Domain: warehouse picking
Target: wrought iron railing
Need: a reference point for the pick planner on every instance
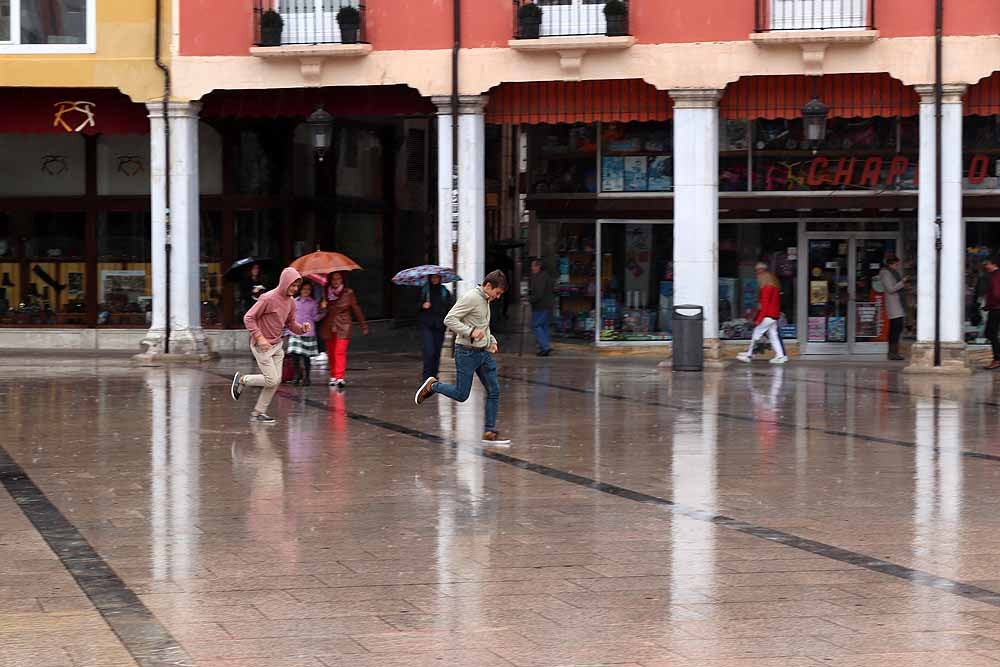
(285, 22)
(567, 18)
(774, 15)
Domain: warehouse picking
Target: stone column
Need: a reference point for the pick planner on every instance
(187, 339)
(471, 196)
(696, 208)
(953, 348)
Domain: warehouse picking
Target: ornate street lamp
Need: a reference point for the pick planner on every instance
(321, 128)
(814, 121)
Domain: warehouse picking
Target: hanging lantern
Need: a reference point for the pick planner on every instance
(814, 121)
(321, 128)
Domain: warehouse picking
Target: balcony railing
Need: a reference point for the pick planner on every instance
(569, 18)
(774, 15)
(308, 22)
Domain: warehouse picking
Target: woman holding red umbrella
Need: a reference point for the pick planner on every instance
(335, 329)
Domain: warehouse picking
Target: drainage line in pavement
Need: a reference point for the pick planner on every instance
(747, 418)
(870, 563)
(145, 638)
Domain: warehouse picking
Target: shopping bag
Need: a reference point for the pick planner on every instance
(287, 370)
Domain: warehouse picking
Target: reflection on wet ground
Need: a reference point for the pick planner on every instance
(782, 517)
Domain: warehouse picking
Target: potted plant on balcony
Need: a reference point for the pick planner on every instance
(271, 25)
(529, 21)
(616, 13)
(349, 20)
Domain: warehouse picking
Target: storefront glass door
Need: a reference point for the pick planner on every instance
(844, 302)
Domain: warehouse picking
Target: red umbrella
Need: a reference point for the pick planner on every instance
(322, 263)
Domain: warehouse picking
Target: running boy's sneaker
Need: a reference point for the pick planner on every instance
(425, 390)
(334, 381)
(341, 382)
(237, 388)
(493, 439)
(783, 359)
(262, 419)
(744, 357)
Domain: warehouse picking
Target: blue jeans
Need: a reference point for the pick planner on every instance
(540, 325)
(433, 339)
(469, 362)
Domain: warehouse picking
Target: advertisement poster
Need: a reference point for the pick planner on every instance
(635, 174)
(837, 329)
(613, 174)
(869, 317)
(128, 284)
(819, 293)
(661, 173)
(817, 329)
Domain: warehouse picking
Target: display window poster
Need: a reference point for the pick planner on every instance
(819, 293)
(660, 173)
(74, 282)
(635, 174)
(869, 317)
(837, 329)
(613, 174)
(129, 283)
(817, 329)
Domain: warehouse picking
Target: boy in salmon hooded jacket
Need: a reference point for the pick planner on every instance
(768, 315)
(266, 321)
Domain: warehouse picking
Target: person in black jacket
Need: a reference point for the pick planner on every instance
(541, 298)
(436, 302)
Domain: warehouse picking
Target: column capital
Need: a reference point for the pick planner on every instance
(175, 109)
(695, 98)
(951, 93)
(467, 104)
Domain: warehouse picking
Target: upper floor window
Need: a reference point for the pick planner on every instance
(817, 14)
(47, 26)
(572, 17)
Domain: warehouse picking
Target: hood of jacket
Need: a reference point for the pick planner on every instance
(288, 276)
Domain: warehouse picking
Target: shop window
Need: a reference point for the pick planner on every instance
(859, 154)
(211, 268)
(9, 270)
(637, 157)
(50, 282)
(209, 160)
(741, 246)
(359, 236)
(636, 281)
(42, 165)
(981, 152)
(124, 270)
(562, 159)
(568, 253)
(47, 26)
(258, 160)
(982, 240)
(123, 164)
(360, 167)
(257, 234)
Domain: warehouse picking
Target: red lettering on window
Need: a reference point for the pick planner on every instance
(870, 172)
(820, 165)
(845, 171)
(978, 168)
(897, 168)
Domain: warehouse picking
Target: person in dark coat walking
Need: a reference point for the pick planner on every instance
(435, 303)
(992, 305)
(541, 299)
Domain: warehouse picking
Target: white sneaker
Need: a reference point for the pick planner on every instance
(744, 357)
(334, 382)
(783, 359)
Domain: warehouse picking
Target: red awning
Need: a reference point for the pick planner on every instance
(300, 102)
(983, 98)
(847, 95)
(66, 110)
(614, 100)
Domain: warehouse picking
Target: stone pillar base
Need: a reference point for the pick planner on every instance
(954, 359)
(186, 346)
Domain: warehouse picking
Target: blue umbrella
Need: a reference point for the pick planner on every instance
(417, 276)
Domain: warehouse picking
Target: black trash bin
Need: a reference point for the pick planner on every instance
(689, 328)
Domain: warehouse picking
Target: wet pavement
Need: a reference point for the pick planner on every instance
(813, 514)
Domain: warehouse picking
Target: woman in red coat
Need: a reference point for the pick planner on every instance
(340, 303)
(767, 316)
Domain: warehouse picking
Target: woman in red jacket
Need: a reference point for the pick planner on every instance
(767, 316)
